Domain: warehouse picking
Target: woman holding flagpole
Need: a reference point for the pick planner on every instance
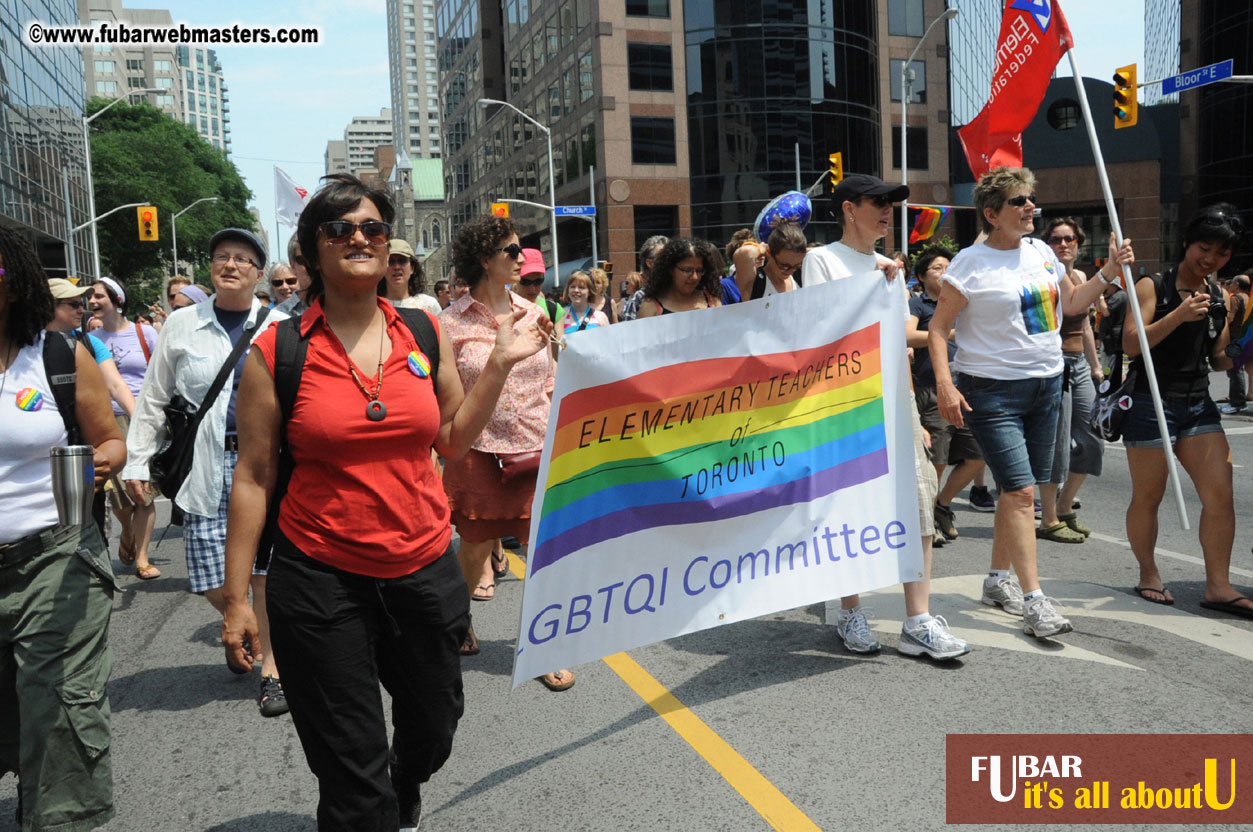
(1184, 315)
(1005, 297)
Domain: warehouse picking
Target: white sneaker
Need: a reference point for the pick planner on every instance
(1004, 592)
(1041, 619)
(933, 638)
(853, 629)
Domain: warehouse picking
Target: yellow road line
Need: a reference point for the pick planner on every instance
(761, 794)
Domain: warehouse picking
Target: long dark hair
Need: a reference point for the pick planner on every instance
(661, 276)
(417, 280)
(341, 194)
(31, 306)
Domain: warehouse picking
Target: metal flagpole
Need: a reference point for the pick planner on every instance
(1129, 286)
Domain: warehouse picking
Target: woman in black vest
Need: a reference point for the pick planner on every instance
(1185, 320)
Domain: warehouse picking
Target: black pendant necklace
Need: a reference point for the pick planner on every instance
(375, 410)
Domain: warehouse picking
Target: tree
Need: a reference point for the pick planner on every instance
(141, 154)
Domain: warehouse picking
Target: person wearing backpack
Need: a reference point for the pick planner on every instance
(345, 404)
(784, 252)
(200, 345)
(56, 581)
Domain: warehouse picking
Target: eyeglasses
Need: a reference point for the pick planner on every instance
(513, 250)
(786, 268)
(690, 270)
(532, 281)
(1062, 238)
(339, 232)
(289, 282)
(73, 304)
(240, 261)
(170, 298)
(1021, 200)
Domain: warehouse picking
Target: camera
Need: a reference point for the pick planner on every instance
(1217, 308)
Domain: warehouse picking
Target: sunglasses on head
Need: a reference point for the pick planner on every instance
(532, 281)
(1062, 238)
(339, 232)
(1212, 218)
(513, 250)
(1021, 200)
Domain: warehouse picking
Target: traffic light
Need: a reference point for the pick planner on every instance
(500, 209)
(837, 169)
(147, 216)
(1126, 108)
(608, 267)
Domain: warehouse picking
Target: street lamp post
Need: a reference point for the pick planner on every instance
(552, 184)
(174, 228)
(91, 184)
(907, 77)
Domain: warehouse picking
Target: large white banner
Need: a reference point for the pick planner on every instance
(714, 466)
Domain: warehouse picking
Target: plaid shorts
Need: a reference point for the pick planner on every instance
(204, 538)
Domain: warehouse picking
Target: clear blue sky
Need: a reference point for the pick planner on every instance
(287, 102)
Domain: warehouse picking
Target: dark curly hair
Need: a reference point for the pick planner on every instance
(477, 241)
(30, 300)
(662, 275)
(341, 194)
(417, 279)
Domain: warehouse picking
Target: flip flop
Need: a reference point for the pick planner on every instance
(486, 588)
(500, 566)
(549, 680)
(1230, 607)
(126, 555)
(1143, 591)
(147, 573)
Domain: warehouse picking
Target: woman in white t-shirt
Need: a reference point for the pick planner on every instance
(1006, 297)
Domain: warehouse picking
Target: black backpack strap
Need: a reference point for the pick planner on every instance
(290, 349)
(62, 371)
(419, 323)
(759, 286)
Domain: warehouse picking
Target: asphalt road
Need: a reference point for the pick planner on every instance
(806, 735)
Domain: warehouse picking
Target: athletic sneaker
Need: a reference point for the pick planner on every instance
(1004, 592)
(938, 539)
(1041, 619)
(1230, 410)
(944, 521)
(853, 629)
(408, 795)
(933, 638)
(981, 498)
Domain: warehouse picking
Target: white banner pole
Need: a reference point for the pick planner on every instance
(1129, 286)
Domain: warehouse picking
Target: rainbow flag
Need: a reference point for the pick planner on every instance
(929, 219)
(707, 440)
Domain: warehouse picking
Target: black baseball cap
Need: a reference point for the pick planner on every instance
(242, 235)
(863, 184)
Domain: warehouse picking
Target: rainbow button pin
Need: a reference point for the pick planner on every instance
(419, 364)
(29, 399)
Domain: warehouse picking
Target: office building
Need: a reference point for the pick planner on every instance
(41, 141)
(335, 159)
(411, 54)
(1161, 48)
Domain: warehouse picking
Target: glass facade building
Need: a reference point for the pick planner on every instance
(1161, 48)
(41, 135)
(762, 77)
(972, 56)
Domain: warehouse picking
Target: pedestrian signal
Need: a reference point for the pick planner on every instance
(500, 209)
(1126, 108)
(147, 217)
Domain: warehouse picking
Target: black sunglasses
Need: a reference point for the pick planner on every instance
(1062, 238)
(532, 281)
(1223, 218)
(881, 200)
(513, 250)
(1019, 201)
(291, 281)
(73, 304)
(339, 232)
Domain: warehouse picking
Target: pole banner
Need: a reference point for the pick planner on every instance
(713, 466)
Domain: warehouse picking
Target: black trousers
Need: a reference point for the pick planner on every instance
(336, 636)
(1235, 387)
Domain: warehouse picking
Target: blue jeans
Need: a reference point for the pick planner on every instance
(1184, 417)
(1015, 424)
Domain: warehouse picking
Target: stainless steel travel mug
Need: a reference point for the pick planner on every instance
(73, 483)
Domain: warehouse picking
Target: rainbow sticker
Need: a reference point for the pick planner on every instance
(419, 364)
(29, 399)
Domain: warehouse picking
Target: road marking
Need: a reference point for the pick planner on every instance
(761, 794)
(1235, 570)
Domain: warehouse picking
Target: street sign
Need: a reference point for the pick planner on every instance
(1197, 77)
(576, 210)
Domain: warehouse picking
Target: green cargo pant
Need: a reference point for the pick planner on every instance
(54, 666)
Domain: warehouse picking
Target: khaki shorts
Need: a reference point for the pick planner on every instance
(118, 498)
(928, 485)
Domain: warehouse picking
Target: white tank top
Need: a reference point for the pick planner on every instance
(30, 425)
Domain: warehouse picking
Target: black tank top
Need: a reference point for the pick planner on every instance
(1181, 359)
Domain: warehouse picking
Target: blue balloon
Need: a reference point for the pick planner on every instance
(792, 206)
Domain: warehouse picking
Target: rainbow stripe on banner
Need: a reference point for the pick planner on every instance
(708, 440)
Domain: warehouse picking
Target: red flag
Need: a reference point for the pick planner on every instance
(1034, 36)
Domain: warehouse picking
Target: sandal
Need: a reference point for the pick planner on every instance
(1072, 521)
(481, 592)
(1059, 533)
(500, 565)
(272, 701)
(126, 554)
(147, 572)
(553, 681)
(1165, 600)
(470, 646)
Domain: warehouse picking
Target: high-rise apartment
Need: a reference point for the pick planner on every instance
(41, 141)
(206, 99)
(355, 152)
(411, 53)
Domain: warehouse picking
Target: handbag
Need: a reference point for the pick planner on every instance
(1113, 400)
(515, 467)
(170, 466)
